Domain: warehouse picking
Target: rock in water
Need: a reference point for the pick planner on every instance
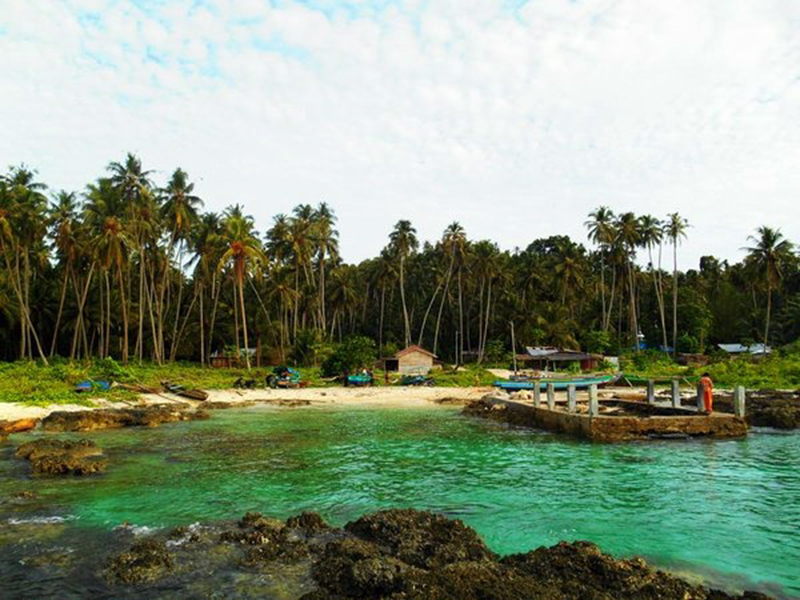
(63, 457)
(112, 418)
(421, 538)
(147, 560)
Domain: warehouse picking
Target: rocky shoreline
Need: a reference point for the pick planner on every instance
(399, 553)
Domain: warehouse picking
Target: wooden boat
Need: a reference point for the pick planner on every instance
(184, 392)
(559, 384)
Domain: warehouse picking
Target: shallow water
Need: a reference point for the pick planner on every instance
(726, 511)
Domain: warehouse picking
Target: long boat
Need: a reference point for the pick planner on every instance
(559, 384)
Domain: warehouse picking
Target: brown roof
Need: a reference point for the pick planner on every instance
(414, 348)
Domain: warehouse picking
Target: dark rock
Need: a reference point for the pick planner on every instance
(308, 522)
(581, 570)
(421, 538)
(112, 418)
(219, 405)
(63, 457)
(355, 568)
(767, 408)
(147, 560)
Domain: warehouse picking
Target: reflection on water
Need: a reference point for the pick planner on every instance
(726, 510)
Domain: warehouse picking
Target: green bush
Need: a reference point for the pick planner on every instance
(354, 353)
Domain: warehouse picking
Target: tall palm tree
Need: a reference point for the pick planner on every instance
(244, 249)
(675, 230)
(179, 212)
(652, 232)
(104, 213)
(63, 217)
(22, 231)
(602, 233)
(769, 254)
(454, 243)
(629, 237)
(327, 245)
(402, 243)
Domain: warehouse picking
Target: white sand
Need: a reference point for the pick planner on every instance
(377, 396)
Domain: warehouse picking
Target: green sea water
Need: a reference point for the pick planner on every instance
(727, 511)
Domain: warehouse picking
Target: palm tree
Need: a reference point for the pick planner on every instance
(652, 232)
(63, 218)
(110, 242)
(675, 229)
(629, 237)
(22, 231)
(244, 249)
(770, 253)
(327, 245)
(179, 213)
(454, 243)
(602, 232)
(402, 243)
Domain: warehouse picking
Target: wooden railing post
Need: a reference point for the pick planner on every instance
(551, 396)
(537, 393)
(701, 405)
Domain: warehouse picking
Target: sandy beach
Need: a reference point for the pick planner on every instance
(320, 397)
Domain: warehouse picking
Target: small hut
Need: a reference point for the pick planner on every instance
(412, 360)
(545, 358)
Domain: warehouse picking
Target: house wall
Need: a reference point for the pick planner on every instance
(415, 362)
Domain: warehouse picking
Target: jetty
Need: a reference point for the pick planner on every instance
(614, 419)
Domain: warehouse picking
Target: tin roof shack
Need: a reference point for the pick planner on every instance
(413, 360)
(547, 358)
(742, 350)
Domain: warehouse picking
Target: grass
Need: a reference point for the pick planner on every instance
(778, 371)
(34, 384)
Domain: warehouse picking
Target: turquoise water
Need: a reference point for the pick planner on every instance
(726, 511)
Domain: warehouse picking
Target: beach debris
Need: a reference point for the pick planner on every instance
(113, 418)
(63, 457)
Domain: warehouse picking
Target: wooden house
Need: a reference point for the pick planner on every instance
(412, 360)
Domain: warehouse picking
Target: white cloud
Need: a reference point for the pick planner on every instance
(516, 123)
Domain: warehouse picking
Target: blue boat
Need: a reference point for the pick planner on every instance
(559, 384)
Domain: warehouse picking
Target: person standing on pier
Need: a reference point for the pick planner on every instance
(708, 392)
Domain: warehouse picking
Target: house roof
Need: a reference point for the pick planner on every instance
(552, 353)
(414, 348)
(742, 349)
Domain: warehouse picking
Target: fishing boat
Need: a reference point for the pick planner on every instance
(559, 384)
(184, 392)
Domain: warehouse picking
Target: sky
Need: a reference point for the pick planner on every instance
(515, 118)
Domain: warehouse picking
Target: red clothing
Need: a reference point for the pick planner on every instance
(708, 393)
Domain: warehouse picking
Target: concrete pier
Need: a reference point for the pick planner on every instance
(612, 420)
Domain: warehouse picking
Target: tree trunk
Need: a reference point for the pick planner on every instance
(769, 311)
(123, 303)
(60, 310)
(674, 298)
(403, 300)
(244, 322)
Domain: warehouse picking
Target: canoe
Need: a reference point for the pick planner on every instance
(180, 390)
(559, 384)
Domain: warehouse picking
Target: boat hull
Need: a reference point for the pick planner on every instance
(562, 384)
